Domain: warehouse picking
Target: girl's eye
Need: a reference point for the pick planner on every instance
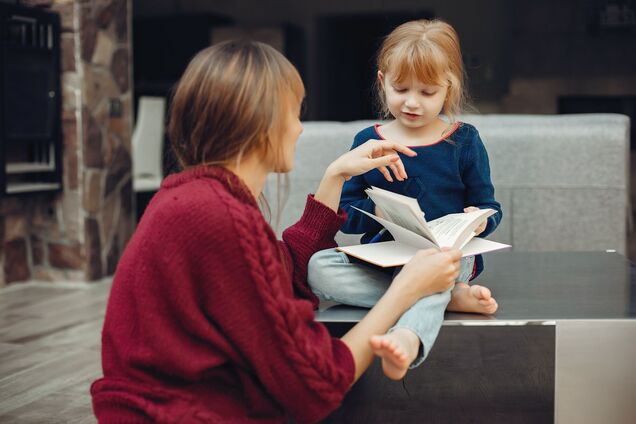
(399, 90)
(429, 93)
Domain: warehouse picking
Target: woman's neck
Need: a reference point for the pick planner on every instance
(252, 172)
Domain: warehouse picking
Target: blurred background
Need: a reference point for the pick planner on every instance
(87, 88)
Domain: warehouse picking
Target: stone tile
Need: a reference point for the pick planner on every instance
(66, 9)
(65, 256)
(112, 144)
(69, 131)
(127, 198)
(113, 257)
(37, 250)
(15, 226)
(121, 19)
(92, 193)
(99, 86)
(122, 126)
(120, 167)
(9, 205)
(69, 212)
(71, 83)
(67, 51)
(104, 49)
(16, 261)
(93, 157)
(42, 219)
(2, 236)
(88, 31)
(105, 13)
(70, 170)
(101, 112)
(121, 69)
(93, 248)
(110, 218)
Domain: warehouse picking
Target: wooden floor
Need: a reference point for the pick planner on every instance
(50, 354)
(50, 351)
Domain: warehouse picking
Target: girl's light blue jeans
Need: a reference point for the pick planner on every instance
(332, 276)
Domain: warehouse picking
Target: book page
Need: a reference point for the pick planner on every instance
(384, 254)
(401, 210)
(401, 234)
(478, 246)
(394, 253)
(455, 230)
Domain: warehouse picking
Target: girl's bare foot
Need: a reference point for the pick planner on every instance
(473, 299)
(397, 349)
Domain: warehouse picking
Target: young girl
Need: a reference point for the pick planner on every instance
(420, 77)
(210, 318)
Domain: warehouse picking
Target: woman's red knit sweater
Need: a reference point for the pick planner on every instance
(210, 318)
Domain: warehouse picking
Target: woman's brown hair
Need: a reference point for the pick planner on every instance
(429, 51)
(230, 101)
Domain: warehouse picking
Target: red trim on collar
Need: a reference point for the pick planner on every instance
(457, 125)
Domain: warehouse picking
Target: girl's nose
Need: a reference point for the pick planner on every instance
(412, 102)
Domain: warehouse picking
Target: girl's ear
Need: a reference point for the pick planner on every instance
(381, 78)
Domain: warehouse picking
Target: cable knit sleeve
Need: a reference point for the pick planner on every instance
(248, 296)
(313, 232)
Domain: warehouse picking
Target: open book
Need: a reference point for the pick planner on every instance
(405, 221)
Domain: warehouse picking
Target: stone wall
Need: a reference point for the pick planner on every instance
(80, 233)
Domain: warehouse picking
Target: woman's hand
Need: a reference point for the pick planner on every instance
(429, 271)
(380, 154)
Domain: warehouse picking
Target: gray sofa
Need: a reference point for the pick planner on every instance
(562, 180)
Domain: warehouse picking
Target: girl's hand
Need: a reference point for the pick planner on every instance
(380, 154)
(482, 226)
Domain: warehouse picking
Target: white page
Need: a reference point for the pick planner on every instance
(456, 229)
(393, 253)
(478, 245)
(401, 210)
(409, 202)
(400, 234)
(384, 254)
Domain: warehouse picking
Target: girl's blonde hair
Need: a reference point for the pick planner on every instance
(230, 101)
(429, 51)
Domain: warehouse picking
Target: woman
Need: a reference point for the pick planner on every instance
(210, 318)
